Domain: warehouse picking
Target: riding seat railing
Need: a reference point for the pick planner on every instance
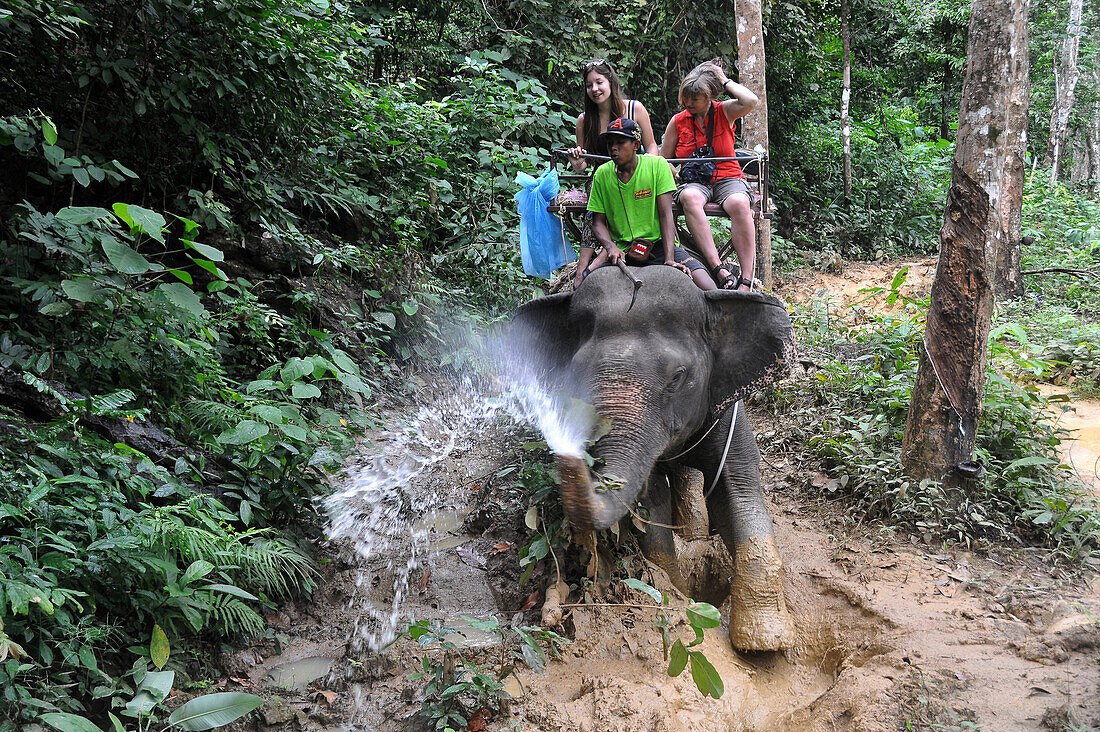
(572, 202)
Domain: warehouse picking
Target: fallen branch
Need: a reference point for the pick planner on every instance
(1075, 271)
(147, 439)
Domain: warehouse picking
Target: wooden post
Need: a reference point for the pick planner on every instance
(947, 396)
(754, 125)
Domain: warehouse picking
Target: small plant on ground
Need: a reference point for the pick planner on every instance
(700, 616)
(463, 694)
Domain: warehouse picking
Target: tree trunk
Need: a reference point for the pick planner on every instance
(943, 416)
(1008, 282)
(1065, 85)
(845, 96)
(754, 125)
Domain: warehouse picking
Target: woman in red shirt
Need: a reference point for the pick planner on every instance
(705, 119)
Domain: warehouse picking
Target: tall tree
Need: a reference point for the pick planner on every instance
(943, 416)
(754, 125)
(1066, 74)
(845, 97)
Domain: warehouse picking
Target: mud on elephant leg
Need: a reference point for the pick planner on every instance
(759, 618)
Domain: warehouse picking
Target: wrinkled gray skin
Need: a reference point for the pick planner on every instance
(664, 371)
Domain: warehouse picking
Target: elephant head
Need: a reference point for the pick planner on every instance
(662, 371)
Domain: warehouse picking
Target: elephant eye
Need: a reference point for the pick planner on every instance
(677, 379)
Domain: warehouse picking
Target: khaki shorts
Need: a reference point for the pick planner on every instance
(722, 189)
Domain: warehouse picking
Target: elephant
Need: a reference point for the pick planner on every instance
(670, 370)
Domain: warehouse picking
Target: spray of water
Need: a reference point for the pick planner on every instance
(380, 512)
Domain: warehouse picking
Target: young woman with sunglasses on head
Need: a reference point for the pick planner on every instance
(603, 102)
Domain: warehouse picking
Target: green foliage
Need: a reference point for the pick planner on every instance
(852, 414)
(455, 687)
(104, 547)
(700, 616)
(152, 688)
(900, 176)
(1062, 229)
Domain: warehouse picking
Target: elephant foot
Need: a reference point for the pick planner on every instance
(759, 619)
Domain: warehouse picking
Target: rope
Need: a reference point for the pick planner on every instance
(943, 387)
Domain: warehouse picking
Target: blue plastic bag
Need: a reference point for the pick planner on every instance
(542, 243)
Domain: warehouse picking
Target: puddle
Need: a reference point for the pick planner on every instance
(1082, 453)
(469, 637)
(297, 675)
(445, 527)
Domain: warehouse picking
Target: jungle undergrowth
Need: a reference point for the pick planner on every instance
(849, 412)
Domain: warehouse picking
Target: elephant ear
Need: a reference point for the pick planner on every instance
(539, 340)
(752, 340)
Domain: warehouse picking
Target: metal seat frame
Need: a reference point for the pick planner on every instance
(754, 166)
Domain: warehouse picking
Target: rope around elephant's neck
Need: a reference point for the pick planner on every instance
(704, 436)
(722, 462)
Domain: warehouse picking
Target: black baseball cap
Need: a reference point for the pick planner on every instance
(623, 127)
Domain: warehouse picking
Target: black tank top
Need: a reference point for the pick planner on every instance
(600, 148)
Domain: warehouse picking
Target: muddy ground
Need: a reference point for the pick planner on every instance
(894, 633)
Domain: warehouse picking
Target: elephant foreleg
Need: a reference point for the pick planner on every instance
(759, 619)
(657, 542)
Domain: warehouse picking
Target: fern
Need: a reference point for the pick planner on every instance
(231, 615)
(211, 416)
(108, 405)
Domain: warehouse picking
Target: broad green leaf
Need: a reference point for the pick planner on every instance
(213, 710)
(211, 268)
(245, 432)
(189, 226)
(116, 722)
(344, 362)
(410, 307)
(153, 689)
(637, 584)
(69, 722)
(182, 297)
(1030, 460)
(704, 615)
(183, 276)
(294, 431)
(53, 154)
(212, 253)
(268, 413)
(159, 648)
(81, 215)
(899, 278)
(354, 383)
(295, 369)
(150, 222)
(49, 131)
(705, 675)
(83, 290)
(678, 658)
(304, 391)
(56, 308)
(386, 318)
(198, 569)
(232, 590)
(125, 259)
(81, 176)
(123, 169)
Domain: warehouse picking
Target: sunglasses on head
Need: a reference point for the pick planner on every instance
(598, 62)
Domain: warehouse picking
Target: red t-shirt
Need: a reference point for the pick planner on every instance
(723, 142)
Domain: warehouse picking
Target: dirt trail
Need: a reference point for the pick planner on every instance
(892, 635)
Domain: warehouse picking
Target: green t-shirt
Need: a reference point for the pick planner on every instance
(651, 178)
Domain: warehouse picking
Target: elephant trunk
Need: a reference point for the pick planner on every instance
(629, 452)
